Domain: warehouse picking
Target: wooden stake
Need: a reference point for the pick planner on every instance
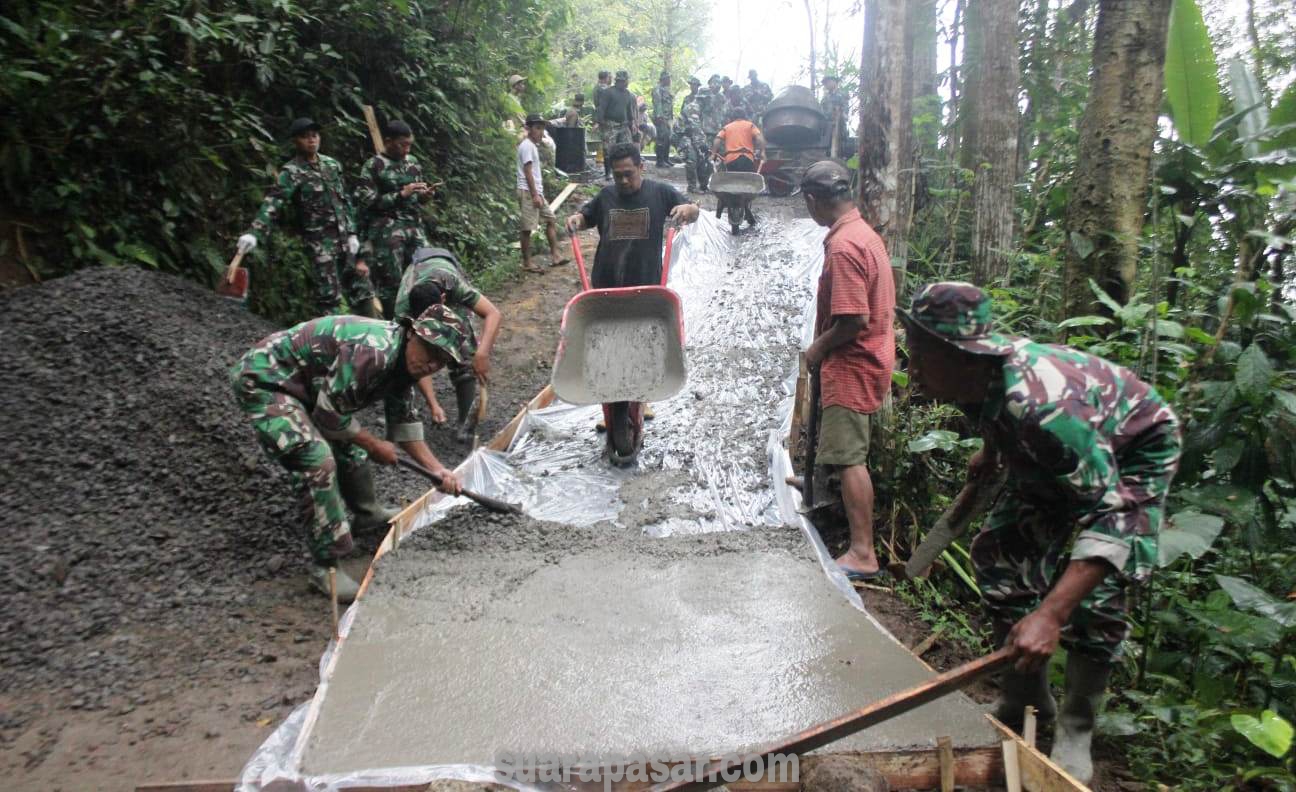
(333, 599)
(1012, 771)
(1028, 726)
(375, 133)
(945, 749)
(562, 196)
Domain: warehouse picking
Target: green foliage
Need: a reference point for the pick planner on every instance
(145, 133)
(1190, 82)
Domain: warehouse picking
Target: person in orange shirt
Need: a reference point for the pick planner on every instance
(741, 147)
(740, 144)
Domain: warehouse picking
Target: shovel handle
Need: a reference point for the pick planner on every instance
(234, 265)
(484, 500)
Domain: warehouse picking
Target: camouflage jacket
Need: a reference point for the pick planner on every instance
(1068, 426)
(663, 103)
(690, 115)
(378, 197)
(757, 95)
(713, 111)
(314, 195)
(442, 269)
(337, 366)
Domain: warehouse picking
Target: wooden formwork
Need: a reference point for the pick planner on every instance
(942, 766)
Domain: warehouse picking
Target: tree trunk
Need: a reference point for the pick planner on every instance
(814, 82)
(886, 102)
(926, 95)
(1104, 215)
(951, 128)
(993, 127)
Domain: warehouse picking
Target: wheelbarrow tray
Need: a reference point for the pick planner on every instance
(739, 184)
(618, 345)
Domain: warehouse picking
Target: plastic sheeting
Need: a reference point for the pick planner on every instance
(714, 455)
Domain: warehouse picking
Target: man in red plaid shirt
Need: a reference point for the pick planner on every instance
(854, 350)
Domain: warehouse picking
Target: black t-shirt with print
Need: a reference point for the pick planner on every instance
(630, 233)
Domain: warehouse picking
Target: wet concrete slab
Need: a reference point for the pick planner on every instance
(526, 637)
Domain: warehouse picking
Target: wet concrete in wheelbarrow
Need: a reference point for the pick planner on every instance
(488, 635)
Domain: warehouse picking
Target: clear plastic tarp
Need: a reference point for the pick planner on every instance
(714, 458)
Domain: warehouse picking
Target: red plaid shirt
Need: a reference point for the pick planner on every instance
(857, 281)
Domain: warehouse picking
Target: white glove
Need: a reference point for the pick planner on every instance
(246, 243)
(353, 244)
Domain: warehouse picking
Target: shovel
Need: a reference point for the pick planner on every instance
(484, 500)
(812, 445)
(234, 284)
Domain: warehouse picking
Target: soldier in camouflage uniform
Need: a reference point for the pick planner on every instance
(690, 140)
(390, 196)
(439, 269)
(663, 110)
(300, 388)
(1090, 451)
(758, 95)
(713, 104)
(835, 105)
(309, 194)
(616, 115)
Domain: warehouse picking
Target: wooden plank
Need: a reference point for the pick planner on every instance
(1028, 726)
(504, 438)
(371, 120)
(798, 406)
(1038, 772)
(562, 196)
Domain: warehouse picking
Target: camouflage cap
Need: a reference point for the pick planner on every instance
(694, 81)
(440, 328)
(622, 74)
(957, 313)
(713, 78)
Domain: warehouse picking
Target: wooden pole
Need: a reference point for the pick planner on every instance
(945, 748)
(333, 599)
(371, 119)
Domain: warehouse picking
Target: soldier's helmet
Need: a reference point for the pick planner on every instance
(959, 314)
(694, 81)
(440, 328)
(622, 74)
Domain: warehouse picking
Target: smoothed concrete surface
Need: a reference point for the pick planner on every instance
(486, 635)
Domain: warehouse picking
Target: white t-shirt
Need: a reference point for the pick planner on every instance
(529, 156)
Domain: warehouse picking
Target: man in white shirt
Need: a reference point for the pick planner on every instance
(531, 200)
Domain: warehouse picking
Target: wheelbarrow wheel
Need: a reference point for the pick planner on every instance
(622, 445)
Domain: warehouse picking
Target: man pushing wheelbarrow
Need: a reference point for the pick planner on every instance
(629, 319)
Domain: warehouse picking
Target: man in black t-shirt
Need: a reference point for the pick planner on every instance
(630, 214)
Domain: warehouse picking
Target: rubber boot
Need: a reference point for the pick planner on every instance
(357, 486)
(1086, 682)
(465, 396)
(1017, 691)
(347, 587)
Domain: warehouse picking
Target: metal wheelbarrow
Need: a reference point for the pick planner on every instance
(734, 190)
(621, 347)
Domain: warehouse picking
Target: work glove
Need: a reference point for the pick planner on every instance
(353, 244)
(246, 243)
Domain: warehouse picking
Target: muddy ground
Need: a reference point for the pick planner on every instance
(158, 623)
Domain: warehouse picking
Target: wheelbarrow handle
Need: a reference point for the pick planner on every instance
(580, 263)
(666, 254)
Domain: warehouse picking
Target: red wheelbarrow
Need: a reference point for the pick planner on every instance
(620, 348)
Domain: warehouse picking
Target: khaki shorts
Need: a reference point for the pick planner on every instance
(844, 434)
(529, 220)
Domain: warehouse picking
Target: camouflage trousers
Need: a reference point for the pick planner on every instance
(697, 165)
(613, 134)
(1024, 547)
(284, 429)
(334, 274)
(393, 249)
(662, 142)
